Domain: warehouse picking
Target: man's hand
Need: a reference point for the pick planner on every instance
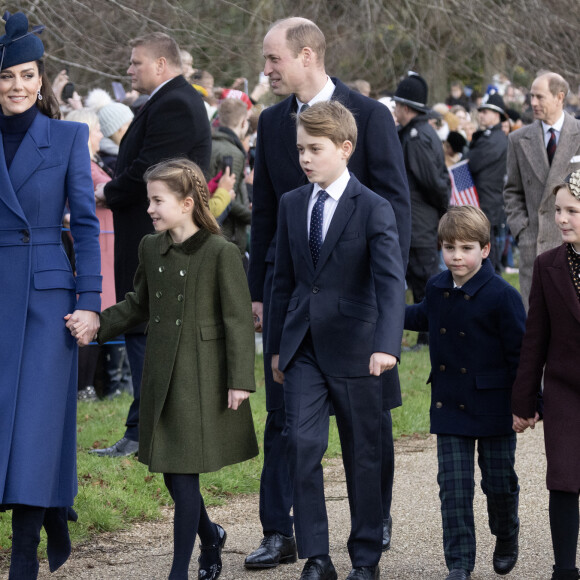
(257, 313)
(381, 362)
(277, 374)
(520, 424)
(236, 397)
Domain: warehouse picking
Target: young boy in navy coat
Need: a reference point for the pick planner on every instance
(476, 322)
(336, 321)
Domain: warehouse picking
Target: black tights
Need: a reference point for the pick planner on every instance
(189, 520)
(564, 522)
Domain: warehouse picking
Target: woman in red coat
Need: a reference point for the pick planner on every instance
(551, 348)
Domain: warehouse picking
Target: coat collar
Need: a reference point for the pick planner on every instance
(472, 286)
(559, 273)
(190, 246)
(28, 158)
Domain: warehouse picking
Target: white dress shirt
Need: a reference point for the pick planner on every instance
(324, 95)
(557, 126)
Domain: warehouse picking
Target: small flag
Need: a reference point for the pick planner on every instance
(463, 190)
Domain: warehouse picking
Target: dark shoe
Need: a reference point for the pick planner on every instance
(212, 553)
(316, 569)
(505, 555)
(364, 573)
(274, 549)
(458, 574)
(387, 530)
(58, 546)
(122, 448)
(565, 574)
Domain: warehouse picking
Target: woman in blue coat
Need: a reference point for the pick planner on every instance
(44, 166)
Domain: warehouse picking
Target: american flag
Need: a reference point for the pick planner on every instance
(463, 190)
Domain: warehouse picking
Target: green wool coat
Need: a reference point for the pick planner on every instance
(200, 343)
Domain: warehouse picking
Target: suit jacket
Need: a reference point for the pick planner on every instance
(475, 335)
(172, 123)
(353, 301)
(550, 351)
(38, 356)
(377, 162)
(529, 202)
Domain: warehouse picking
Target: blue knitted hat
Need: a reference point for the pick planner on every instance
(19, 45)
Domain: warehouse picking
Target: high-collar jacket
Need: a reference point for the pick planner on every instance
(475, 335)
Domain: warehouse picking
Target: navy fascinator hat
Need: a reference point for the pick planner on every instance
(19, 45)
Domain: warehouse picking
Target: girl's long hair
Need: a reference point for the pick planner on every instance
(185, 179)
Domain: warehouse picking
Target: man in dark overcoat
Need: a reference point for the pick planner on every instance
(172, 123)
(294, 52)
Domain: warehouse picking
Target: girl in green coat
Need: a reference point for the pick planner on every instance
(199, 364)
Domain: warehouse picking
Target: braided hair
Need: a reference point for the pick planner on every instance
(185, 179)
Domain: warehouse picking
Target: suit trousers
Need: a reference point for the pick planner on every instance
(308, 394)
(499, 483)
(135, 345)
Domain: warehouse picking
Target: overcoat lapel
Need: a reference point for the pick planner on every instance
(534, 150)
(568, 145)
(288, 133)
(30, 154)
(560, 276)
(340, 218)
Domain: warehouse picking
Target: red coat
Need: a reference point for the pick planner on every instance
(553, 339)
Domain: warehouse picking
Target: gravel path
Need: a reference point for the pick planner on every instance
(144, 551)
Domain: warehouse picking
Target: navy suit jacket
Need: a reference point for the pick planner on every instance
(377, 162)
(353, 301)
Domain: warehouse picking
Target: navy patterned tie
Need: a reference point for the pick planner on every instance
(315, 240)
(551, 149)
(303, 108)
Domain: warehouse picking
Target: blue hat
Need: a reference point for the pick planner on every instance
(18, 45)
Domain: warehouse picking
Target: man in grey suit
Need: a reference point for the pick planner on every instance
(539, 157)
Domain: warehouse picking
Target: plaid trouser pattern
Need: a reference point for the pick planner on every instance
(496, 458)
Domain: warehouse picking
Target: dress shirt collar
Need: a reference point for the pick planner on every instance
(159, 87)
(324, 95)
(557, 126)
(336, 188)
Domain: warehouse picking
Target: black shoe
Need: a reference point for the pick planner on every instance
(458, 574)
(122, 448)
(316, 569)
(387, 532)
(274, 549)
(364, 573)
(565, 574)
(214, 554)
(505, 555)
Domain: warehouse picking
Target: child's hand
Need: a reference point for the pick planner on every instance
(520, 424)
(227, 180)
(381, 362)
(83, 325)
(276, 372)
(236, 397)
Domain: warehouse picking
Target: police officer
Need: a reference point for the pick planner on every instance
(487, 161)
(429, 183)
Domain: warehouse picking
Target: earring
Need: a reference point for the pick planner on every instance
(38, 95)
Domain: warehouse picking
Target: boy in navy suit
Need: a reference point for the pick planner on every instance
(476, 322)
(336, 323)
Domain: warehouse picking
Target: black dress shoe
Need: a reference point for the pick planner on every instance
(505, 555)
(213, 554)
(122, 448)
(364, 573)
(316, 569)
(274, 549)
(387, 529)
(458, 574)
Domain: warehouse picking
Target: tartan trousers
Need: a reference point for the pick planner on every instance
(456, 478)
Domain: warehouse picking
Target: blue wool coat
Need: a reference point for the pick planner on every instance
(38, 356)
(475, 336)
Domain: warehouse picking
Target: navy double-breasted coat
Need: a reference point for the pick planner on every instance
(38, 356)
